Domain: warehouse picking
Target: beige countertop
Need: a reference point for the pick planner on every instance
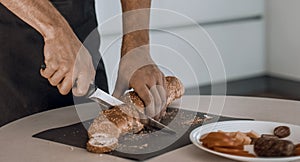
(17, 145)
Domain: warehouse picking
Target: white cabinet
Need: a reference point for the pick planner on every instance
(203, 11)
(241, 47)
(200, 11)
(190, 57)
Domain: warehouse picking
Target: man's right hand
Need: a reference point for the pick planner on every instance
(67, 61)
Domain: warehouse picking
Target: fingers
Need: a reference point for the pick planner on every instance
(163, 95)
(57, 77)
(66, 85)
(53, 72)
(144, 93)
(154, 99)
(64, 80)
(48, 71)
(148, 82)
(157, 102)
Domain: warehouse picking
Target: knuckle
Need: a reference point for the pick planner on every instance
(80, 92)
(158, 75)
(52, 82)
(64, 88)
(64, 68)
(150, 98)
(147, 101)
(151, 82)
(53, 66)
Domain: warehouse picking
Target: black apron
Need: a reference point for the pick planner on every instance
(23, 91)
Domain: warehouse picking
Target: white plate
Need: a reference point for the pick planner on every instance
(261, 127)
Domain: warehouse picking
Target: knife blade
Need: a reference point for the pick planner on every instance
(107, 101)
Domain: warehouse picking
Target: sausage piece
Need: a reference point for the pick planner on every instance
(282, 131)
(268, 147)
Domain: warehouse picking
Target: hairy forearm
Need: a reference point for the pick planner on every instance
(136, 18)
(40, 14)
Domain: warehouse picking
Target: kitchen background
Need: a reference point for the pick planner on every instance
(257, 40)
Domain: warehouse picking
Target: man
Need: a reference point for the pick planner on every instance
(36, 32)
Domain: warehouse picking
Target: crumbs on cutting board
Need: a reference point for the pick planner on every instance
(146, 139)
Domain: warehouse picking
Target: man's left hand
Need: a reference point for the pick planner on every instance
(138, 71)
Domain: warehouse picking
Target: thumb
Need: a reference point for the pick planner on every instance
(119, 89)
(82, 86)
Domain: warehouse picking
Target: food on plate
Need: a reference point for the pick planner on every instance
(218, 139)
(297, 150)
(270, 147)
(229, 142)
(233, 151)
(282, 131)
(112, 123)
(265, 145)
(225, 139)
(252, 134)
(269, 136)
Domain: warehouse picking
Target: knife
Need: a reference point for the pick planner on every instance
(107, 101)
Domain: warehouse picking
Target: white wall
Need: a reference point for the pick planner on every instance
(283, 38)
(241, 44)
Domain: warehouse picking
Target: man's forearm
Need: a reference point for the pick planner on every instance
(40, 14)
(136, 18)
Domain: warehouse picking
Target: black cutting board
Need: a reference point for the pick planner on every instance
(148, 143)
